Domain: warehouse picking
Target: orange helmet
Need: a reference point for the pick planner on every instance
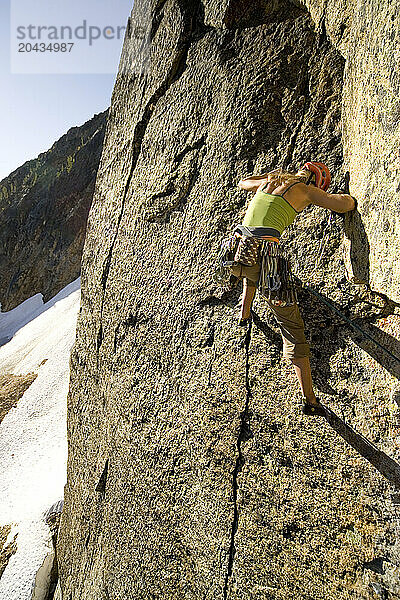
(321, 172)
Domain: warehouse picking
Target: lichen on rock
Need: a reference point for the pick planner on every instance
(191, 473)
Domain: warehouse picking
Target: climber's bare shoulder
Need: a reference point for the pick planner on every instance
(253, 183)
(296, 195)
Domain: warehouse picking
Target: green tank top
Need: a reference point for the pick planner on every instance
(269, 210)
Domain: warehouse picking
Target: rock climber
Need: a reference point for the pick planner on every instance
(279, 197)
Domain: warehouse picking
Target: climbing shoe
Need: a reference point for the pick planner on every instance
(312, 410)
(244, 322)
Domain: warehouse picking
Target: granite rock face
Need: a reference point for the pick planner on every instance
(191, 472)
(368, 36)
(43, 214)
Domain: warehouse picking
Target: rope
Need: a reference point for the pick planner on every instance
(344, 318)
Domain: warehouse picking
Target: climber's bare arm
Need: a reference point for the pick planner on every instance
(252, 183)
(340, 203)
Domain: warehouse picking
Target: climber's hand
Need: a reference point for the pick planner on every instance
(355, 202)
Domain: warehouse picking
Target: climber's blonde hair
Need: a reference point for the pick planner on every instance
(281, 177)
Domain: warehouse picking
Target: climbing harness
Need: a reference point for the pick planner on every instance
(243, 248)
(276, 280)
(240, 247)
(224, 260)
(247, 249)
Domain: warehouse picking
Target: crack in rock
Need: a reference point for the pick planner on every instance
(176, 70)
(244, 435)
(101, 485)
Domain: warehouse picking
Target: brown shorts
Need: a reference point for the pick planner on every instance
(288, 318)
(251, 274)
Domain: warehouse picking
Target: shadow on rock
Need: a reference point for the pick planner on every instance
(380, 345)
(390, 360)
(359, 244)
(322, 327)
(359, 247)
(386, 466)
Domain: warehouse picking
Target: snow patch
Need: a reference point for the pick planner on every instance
(33, 445)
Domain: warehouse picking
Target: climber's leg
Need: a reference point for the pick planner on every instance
(250, 277)
(303, 373)
(249, 290)
(295, 346)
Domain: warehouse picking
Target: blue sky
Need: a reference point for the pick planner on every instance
(35, 110)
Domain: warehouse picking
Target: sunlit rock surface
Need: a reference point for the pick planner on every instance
(191, 471)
